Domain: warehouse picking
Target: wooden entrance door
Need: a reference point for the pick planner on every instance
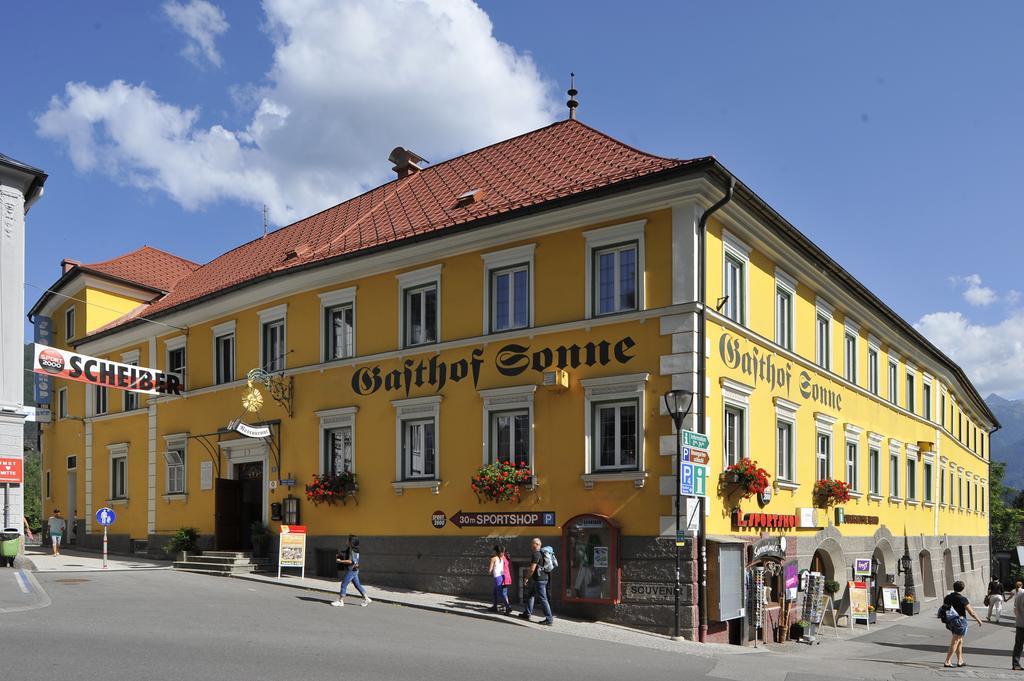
(227, 515)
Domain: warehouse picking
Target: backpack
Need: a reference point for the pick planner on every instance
(550, 562)
(943, 611)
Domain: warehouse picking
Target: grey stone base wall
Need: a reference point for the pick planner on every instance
(457, 566)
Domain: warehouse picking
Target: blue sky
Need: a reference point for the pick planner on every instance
(890, 133)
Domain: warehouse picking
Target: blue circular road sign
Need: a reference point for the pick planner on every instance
(105, 516)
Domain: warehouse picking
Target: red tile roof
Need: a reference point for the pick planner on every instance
(562, 159)
(147, 266)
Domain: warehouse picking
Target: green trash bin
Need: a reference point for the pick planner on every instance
(10, 542)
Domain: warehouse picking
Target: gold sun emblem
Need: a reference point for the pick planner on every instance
(252, 401)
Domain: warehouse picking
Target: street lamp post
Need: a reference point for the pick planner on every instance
(678, 403)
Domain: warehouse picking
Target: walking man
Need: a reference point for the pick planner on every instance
(1018, 642)
(537, 582)
(349, 561)
(56, 526)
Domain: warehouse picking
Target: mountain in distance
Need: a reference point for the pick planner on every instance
(1007, 443)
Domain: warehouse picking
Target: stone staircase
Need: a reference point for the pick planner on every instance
(223, 563)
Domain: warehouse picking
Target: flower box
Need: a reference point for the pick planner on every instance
(750, 478)
(331, 488)
(500, 481)
(831, 492)
(910, 608)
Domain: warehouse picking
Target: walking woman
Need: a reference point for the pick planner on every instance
(994, 599)
(958, 625)
(496, 568)
(349, 560)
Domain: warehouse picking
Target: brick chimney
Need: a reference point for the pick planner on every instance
(406, 162)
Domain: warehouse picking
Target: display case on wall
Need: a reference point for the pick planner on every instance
(591, 557)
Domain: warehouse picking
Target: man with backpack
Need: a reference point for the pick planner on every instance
(542, 564)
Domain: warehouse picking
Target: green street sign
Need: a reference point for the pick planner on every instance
(698, 440)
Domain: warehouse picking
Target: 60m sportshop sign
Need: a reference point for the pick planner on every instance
(103, 372)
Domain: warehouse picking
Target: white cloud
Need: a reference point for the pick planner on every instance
(974, 292)
(349, 82)
(992, 356)
(201, 22)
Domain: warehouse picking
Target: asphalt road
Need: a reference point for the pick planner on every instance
(170, 625)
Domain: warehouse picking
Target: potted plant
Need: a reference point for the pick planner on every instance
(330, 488)
(831, 492)
(799, 629)
(909, 605)
(260, 535)
(750, 478)
(182, 542)
(832, 587)
(500, 481)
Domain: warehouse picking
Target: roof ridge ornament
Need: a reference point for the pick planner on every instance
(572, 92)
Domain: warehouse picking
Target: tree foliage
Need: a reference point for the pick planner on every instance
(1006, 519)
(33, 490)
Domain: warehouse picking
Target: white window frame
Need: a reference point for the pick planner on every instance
(874, 376)
(785, 412)
(331, 419)
(416, 409)
(420, 278)
(612, 389)
(114, 452)
(62, 403)
(912, 459)
(893, 377)
(131, 358)
(910, 387)
(823, 311)
(94, 392)
(928, 465)
(824, 424)
(786, 284)
(853, 434)
(875, 477)
(220, 331)
(172, 345)
(895, 447)
(69, 323)
(943, 462)
(500, 400)
(927, 396)
(329, 301)
(850, 359)
(736, 396)
(733, 247)
(269, 316)
(176, 442)
(597, 239)
(494, 263)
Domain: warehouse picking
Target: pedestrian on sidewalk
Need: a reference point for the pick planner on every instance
(506, 577)
(994, 599)
(349, 559)
(537, 583)
(496, 568)
(1018, 641)
(958, 625)
(56, 526)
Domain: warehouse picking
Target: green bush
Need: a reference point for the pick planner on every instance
(832, 587)
(185, 539)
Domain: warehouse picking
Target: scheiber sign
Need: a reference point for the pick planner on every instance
(103, 372)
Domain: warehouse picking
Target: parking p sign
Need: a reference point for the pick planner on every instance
(693, 479)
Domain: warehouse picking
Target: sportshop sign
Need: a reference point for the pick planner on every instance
(103, 372)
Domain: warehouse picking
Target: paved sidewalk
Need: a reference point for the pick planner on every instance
(43, 560)
(455, 605)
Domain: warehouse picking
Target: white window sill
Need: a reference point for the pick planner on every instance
(401, 485)
(177, 496)
(896, 500)
(639, 478)
(118, 502)
(788, 485)
(929, 504)
(875, 497)
(856, 495)
(912, 502)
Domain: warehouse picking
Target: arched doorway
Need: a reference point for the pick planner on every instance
(947, 565)
(927, 575)
(822, 562)
(883, 568)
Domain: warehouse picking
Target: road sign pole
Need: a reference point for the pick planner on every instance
(104, 547)
(679, 468)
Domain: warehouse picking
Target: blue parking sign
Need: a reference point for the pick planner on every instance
(693, 479)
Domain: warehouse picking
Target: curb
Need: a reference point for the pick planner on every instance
(504, 619)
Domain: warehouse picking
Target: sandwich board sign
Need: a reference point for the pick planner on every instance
(292, 551)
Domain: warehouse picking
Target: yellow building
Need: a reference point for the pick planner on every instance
(531, 301)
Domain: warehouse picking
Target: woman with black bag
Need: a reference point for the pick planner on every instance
(958, 608)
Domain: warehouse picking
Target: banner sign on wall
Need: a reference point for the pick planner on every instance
(11, 469)
(43, 327)
(85, 369)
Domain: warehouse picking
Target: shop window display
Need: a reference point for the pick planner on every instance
(591, 557)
